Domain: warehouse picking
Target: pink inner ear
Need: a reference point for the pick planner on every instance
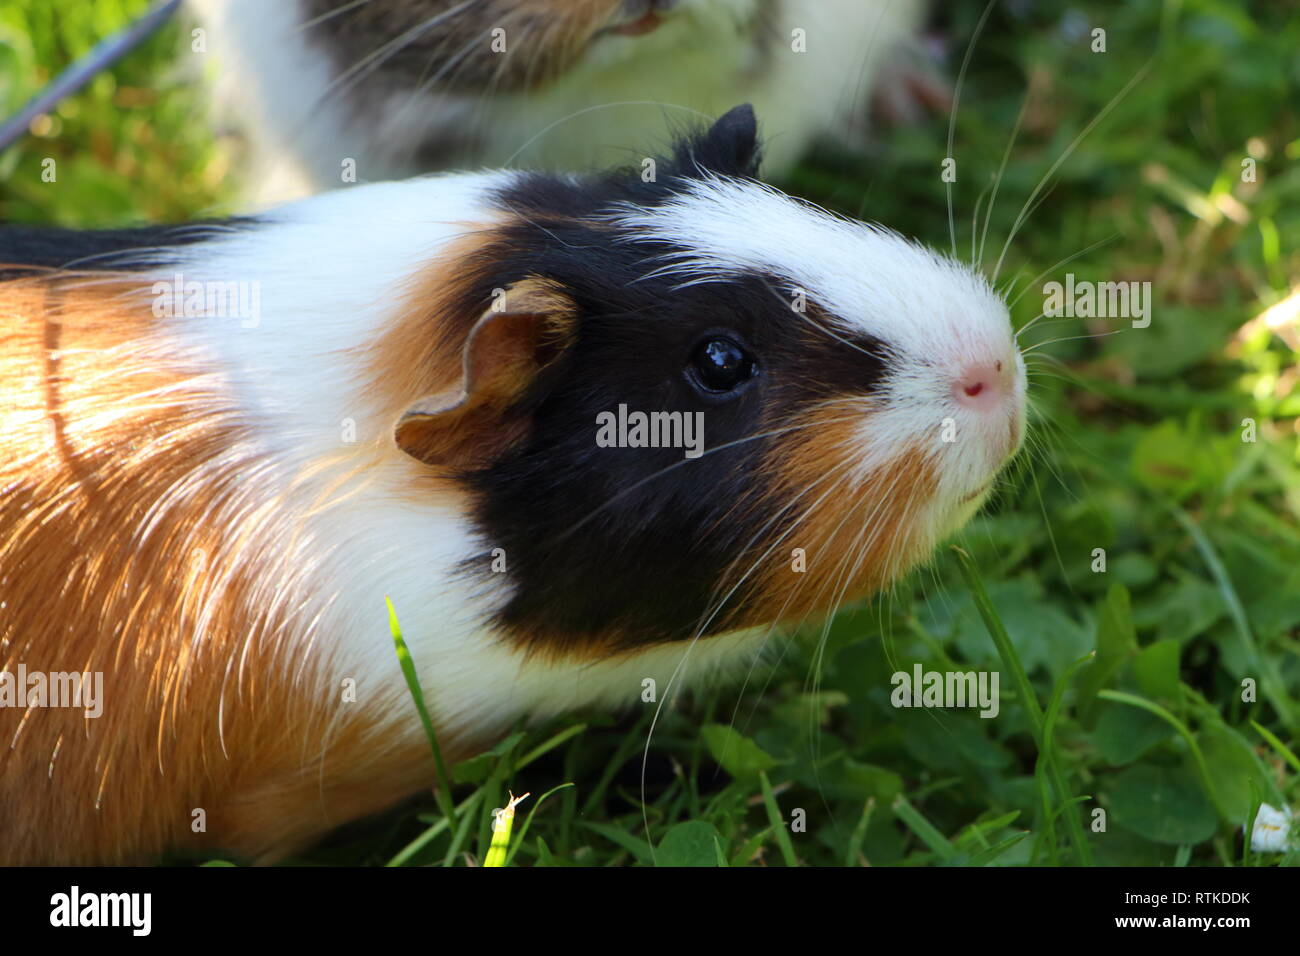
(501, 351)
(469, 422)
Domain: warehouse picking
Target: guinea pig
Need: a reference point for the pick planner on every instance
(329, 91)
(225, 444)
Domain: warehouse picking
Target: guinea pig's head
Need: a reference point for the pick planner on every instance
(687, 404)
(508, 45)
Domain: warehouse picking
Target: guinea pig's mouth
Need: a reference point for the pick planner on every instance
(648, 23)
(981, 490)
(637, 18)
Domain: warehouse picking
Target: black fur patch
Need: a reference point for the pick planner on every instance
(99, 250)
(629, 546)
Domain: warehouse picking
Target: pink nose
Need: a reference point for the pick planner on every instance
(983, 386)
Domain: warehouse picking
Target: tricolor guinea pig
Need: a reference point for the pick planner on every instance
(330, 91)
(575, 428)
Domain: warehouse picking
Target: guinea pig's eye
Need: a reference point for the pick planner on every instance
(720, 365)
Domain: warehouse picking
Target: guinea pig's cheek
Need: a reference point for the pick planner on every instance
(844, 529)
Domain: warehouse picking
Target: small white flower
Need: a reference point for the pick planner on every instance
(1272, 832)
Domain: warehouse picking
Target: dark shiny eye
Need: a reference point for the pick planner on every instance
(720, 365)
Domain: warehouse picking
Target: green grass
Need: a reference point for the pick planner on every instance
(1122, 691)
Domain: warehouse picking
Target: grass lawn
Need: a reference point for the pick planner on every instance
(1147, 708)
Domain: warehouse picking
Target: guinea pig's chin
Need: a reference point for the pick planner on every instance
(946, 517)
(969, 505)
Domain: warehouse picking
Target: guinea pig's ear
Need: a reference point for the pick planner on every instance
(471, 422)
(729, 147)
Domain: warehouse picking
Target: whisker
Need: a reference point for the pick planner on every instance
(645, 757)
(1064, 262)
(1002, 168)
(975, 218)
(685, 461)
(1071, 338)
(952, 117)
(1069, 150)
(372, 61)
(330, 14)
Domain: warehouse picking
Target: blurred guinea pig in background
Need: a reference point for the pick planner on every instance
(328, 90)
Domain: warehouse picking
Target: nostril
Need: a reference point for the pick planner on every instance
(981, 386)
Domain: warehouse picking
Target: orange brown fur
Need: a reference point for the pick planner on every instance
(542, 38)
(420, 352)
(128, 547)
(857, 532)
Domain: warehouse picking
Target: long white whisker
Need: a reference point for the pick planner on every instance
(1064, 262)
(1069, 150)
(952, 117)
(1071, 338)
(997, 181)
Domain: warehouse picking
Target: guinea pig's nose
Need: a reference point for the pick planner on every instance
(983, 386)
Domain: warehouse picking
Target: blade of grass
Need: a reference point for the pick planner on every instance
(1202, 771)
(985, 857)
(471, 802)
(1283, 751)
(622, 754)
(718, 852)
(778, 824)
(458, 838)
(924, 829)
(442, 790)
(1269, 681)
(976, 831)
(854, 849)
(1248, 833)
(503, 822)
(1081, 798)
(1006, 651)
(435, 830)
(489, 813)
(1048, 764)
(528, 821)
(637, 847)
(549, 745)
(993, 624)
(747, 851)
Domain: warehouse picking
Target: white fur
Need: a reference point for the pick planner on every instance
(623, 97)
(331, 272)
